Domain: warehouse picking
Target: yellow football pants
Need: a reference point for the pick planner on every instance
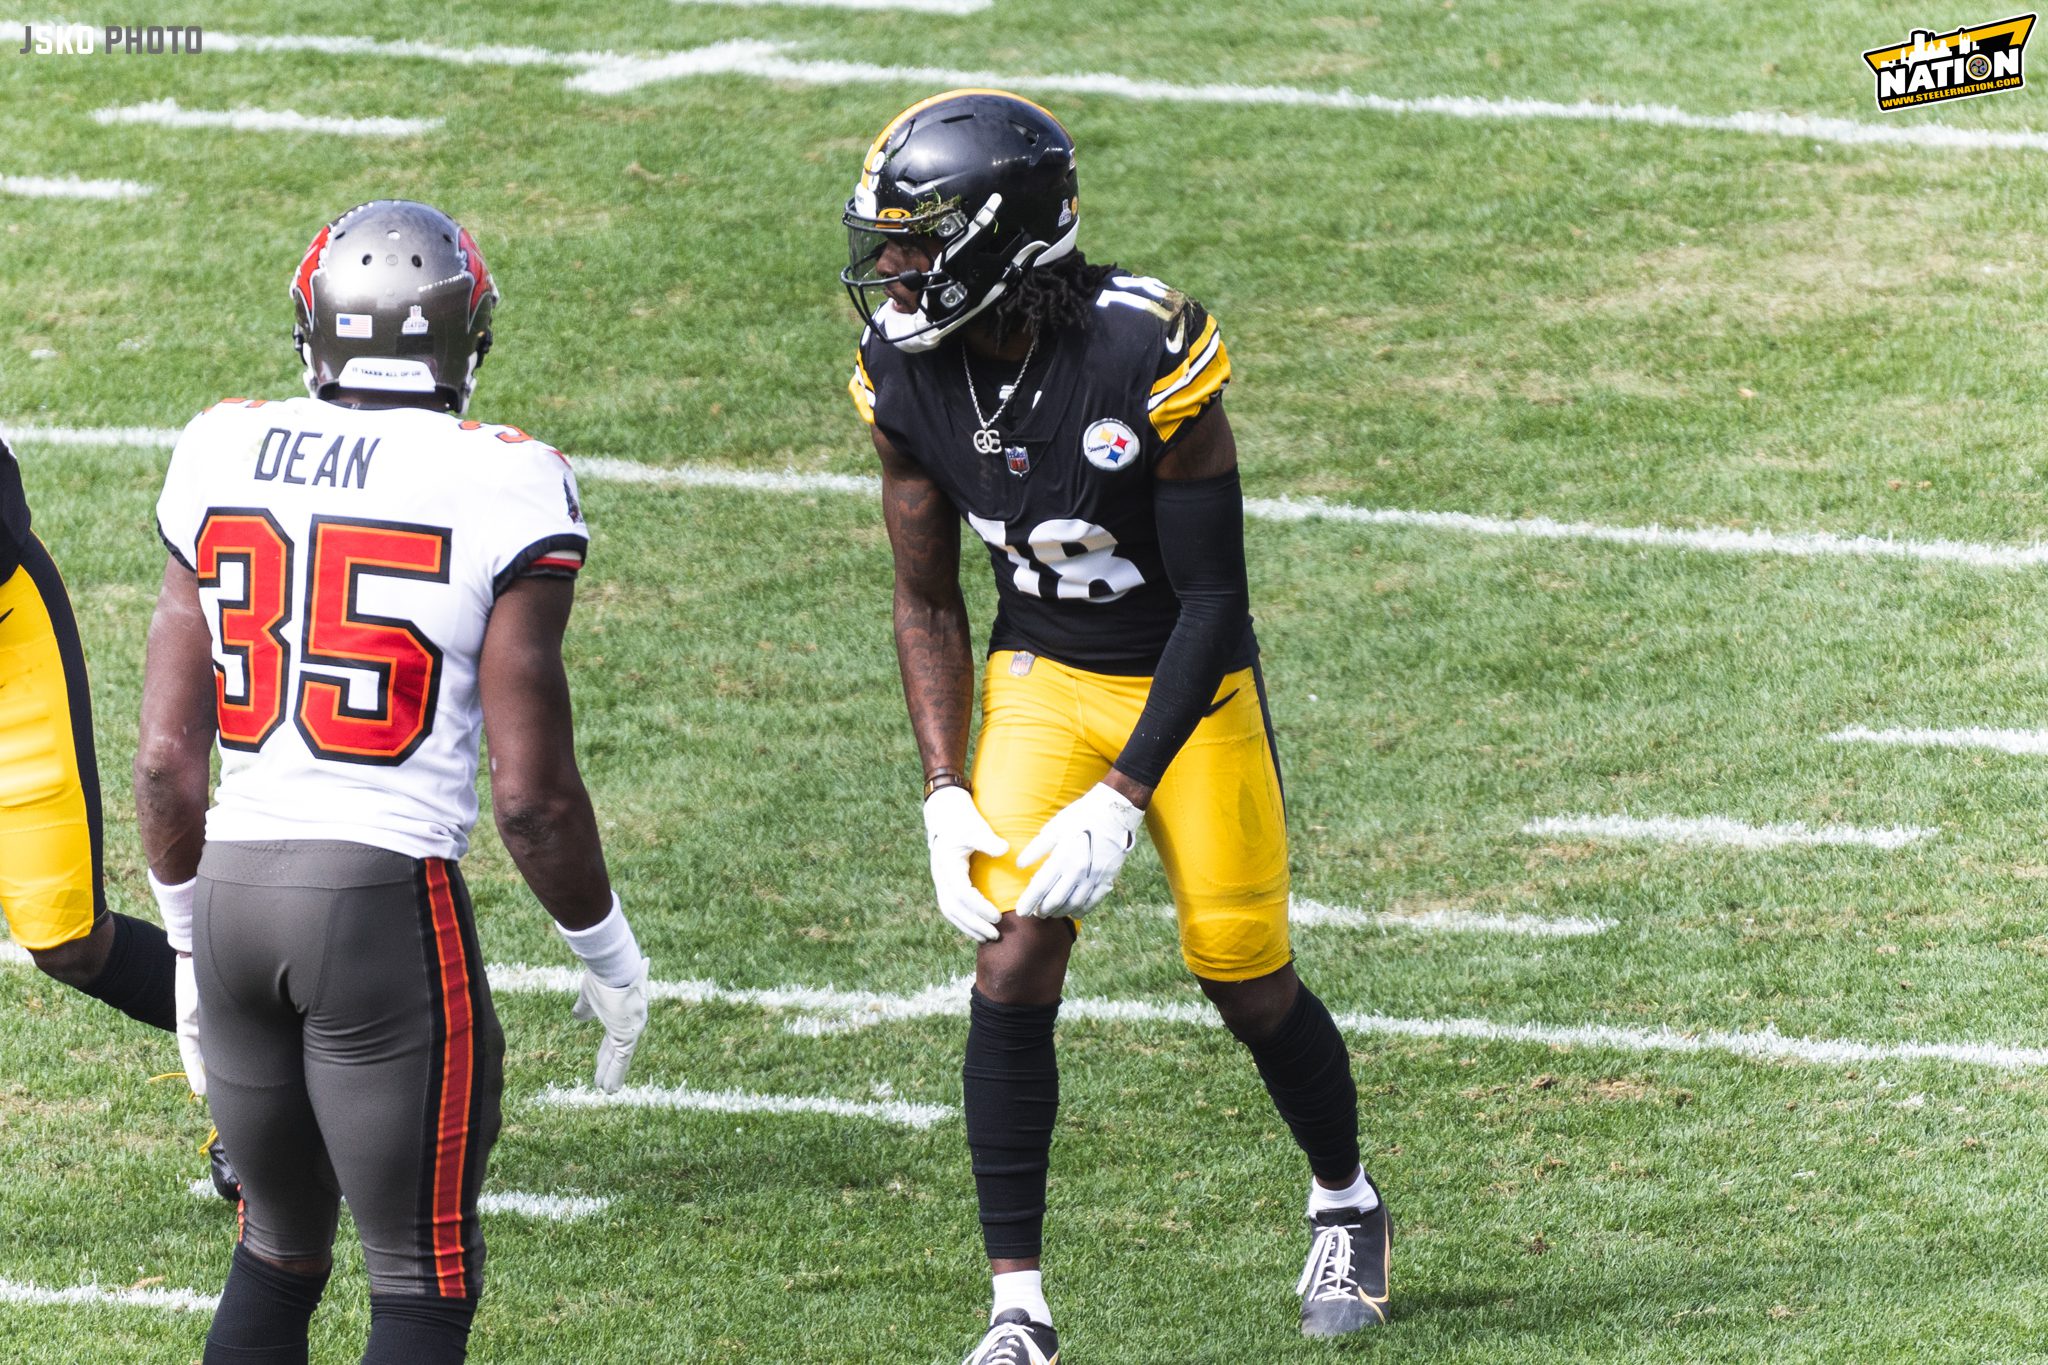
(1050, 732)
(49, 779)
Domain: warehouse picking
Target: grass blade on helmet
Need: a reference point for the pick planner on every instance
(959, 196)
(393, 297)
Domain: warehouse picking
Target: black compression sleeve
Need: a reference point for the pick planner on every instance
(1201, 544)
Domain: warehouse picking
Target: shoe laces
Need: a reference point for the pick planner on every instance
(1008, 1343)
(1328, 1272)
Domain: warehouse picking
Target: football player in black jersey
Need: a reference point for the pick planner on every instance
(51, 879)
(1072, 415)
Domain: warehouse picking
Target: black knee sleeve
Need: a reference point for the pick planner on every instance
(140, 976)
(415, 1329)
(263, 1315)
(1010, 1085)
(1308, 1074)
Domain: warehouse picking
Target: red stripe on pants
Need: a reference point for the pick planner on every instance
(457, 1062)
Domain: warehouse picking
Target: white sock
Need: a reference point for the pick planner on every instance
(1023, 1289)
(1359, 1194)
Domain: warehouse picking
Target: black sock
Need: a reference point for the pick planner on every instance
(140, 976)
(417, 1329)
(1308, 1074)
(1010, 1086)
(263, 1314)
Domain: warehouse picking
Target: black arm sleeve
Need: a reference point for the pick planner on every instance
(1201, 544)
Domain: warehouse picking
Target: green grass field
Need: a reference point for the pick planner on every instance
(1613, 323)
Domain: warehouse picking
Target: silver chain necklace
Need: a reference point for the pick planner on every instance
(985, 438)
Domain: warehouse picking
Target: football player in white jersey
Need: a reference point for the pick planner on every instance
(359, 581)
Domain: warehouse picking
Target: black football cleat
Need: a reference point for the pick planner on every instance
(226, 1183)
(1343, 1287)
(1014, 1339)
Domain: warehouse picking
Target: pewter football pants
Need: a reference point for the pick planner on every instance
(351, 1049)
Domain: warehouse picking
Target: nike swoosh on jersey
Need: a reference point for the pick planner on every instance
(5, 614)
(1179, 337)
(1221, 702)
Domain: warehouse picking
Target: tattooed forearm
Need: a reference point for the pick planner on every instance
(932, 645)
(937, 661)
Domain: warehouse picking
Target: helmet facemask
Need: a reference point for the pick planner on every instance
(971, 270)
(985, 181)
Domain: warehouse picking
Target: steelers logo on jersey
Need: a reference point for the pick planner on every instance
(1109, 444)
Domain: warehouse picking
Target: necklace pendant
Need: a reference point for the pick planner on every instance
(987, 442)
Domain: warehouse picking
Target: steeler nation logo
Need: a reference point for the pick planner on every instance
(1929, 67)
(1109, 444)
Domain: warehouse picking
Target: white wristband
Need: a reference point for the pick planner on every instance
(174, 904)
(607, 947)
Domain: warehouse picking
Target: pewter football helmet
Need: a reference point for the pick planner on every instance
(393, 296)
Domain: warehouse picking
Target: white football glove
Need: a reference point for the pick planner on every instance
(187, 997)
(174, 905)
(1084, 847)
(623, 1012)
(954, 830)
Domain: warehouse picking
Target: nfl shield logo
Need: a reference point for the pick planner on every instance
(1019, 459)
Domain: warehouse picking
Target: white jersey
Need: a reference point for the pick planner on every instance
(348, 561)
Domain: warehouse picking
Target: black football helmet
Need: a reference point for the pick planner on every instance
(986, 180)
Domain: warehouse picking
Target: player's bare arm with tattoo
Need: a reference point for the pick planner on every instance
(932, 646)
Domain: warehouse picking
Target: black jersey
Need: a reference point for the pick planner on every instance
(1062, 492)
(13, 514)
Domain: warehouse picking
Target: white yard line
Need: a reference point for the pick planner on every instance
(93, 1295)
(517, 978)
(1484, 922)
(616, 73)
(167, 114)
(558, 1208)
(1795, 544)
(1715, 829)
(1969, 737)
(71, 187)
(901, 1112)
(850, 1010)
(1310, 914)
(611, 470)
(144, 438)
(555, 1208)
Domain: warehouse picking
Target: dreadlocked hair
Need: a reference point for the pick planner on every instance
(1049, 298)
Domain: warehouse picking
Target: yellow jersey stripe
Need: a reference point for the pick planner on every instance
(1190, 373)
(1195, 352)
(1171, 409)
(862, 389)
